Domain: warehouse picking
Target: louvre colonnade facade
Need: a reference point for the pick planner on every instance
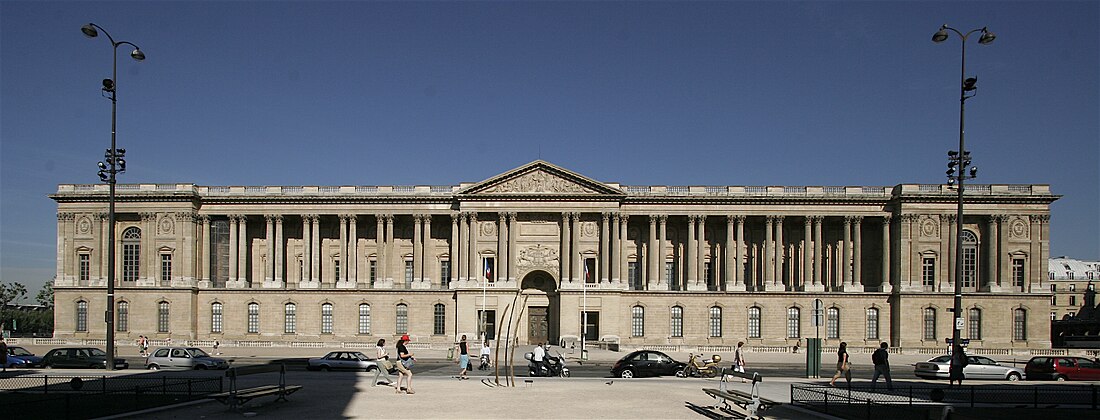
(650, 265)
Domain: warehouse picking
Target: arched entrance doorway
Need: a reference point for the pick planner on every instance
(543, 307)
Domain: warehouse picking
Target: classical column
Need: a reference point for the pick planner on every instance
(389, 251)
(566, 242)
(690, 252)
(948, 265)
(342, 275)
(204, 254)
(1005, 267)
(701, 256)
(857, 257)
(379, 249)
(624, 271)
(1037, 274)
(315, 262)
(463, 264)
(307, 249)
(604, 247)
(473, 255)
(1044, 247)
(846, 255)
(887, 285)
(651, 277)
(502, 246)
(353, 248)
(104, 238)
(280, 252)
(739, 255)
(662, 280)
(513, 234)
(819, 258)
(269, 265)
(418, 230)
(769, 253)
(62, 246)
(453, 251)
(992, 273)
(233, 249)
(807, 253)
(780, 255)
(730, 276)
(574, 248)
(425, 263)
(149, 270)
(615, 250)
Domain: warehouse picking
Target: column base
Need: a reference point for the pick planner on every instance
(854, 288)
(309, 284)
(815, 287)
(204, 284)
(697, 287)
(271, 284)
(736, 287)
(908, 288)
(345, 285)
(996, 288)
(236, 284)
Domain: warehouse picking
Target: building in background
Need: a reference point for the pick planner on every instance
(1074, 315)
(651, 265)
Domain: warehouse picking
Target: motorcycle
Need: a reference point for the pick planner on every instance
(697, 368)
(552, 366)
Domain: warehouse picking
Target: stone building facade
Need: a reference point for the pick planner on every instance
(649, 265)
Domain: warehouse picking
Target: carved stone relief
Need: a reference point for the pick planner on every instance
(84, 227)
(537, 182)
(588, 229)
(537, 256)
(929, 228)
(488, 229)
(166, 225)
(1019, 229)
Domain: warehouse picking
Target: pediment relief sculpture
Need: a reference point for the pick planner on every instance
(537, 182)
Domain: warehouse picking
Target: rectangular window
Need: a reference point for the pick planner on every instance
(444, 273)
(590, 270)
(1053, 316)
(336, 269)
(163, 316)
(974, 324)
(123, 321)
(928, 270)
(670, 275)
(930, 324)
(872, 323)
(364, 319)
(677, 328)
(1018, 273)
(439, 326)
(82, 316)
(708, 277)
(85, 267)
(408, 273)
(1054, 300)
(1073, 287)
(131, 261)
(754, 322)
(1019, 325)
(487, 324)
(794, 323)
(290, 318)
(1072, 300)
(634, 277)
(970, 267)
(637, 321)
(326, 318)
(715, 321)
(591, 322)
(216, 317)
(402, 326)
(832, 323)
(488, 270)
(165, 268)
(373, 271)
(1054, 287)
(253, 318)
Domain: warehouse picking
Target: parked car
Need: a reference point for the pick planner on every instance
(79, 357)
(977, 367)
(346, 360)
(646, 363)
(183, 358)
(20, 357)
(1062, 368)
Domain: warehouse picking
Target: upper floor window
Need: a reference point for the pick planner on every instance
(928, 273)
(165, 268)
(85, 267)
(131, 254)
(488, 264)
(444, 272)
(969, 260)
(1018, 273)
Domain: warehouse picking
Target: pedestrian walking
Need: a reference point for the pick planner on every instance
(384, 365)
(143, 341)
(881, 359)
(739, 359)
(958, 363)
(843, 366)
(463, 358)
(216, 344)
(3, 353)
(404, 366)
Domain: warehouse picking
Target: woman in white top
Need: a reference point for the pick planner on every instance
(384, 365)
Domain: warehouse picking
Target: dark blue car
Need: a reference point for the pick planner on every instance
(20, 357)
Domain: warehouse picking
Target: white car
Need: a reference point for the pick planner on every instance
(977, 367)
(342, 360)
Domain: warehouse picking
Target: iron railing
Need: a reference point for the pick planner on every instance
(915, 399)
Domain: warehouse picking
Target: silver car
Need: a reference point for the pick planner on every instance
(183, 358)
(342, 360)
(977, 367)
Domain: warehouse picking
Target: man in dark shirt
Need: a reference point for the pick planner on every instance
(881, 359)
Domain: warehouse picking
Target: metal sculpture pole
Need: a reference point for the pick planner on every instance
(512, 367)
(496, 356)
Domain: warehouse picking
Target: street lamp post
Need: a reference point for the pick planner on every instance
(957, 163)
(114, 165)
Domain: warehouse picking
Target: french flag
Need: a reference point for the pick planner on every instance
(488, 271)
(586, 274)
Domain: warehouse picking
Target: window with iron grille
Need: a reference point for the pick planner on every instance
(254, 318)
(326, 318)
(81, 315)
(677, 328)
(131, 254)
(794, 322)
(290, 318)
(364, 318)
(122, 322)
(439, 327)
(872, 323)
(974, 324)
(715, 321)
(930, 324)
(832, 323)
(637, 321)
(216, 317)
(163, 316)
(754, 322)
(402, 318)
(85, 267)
(1019, 324)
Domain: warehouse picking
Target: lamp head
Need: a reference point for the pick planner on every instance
(108, 85)
(940, 35)
(102, 166)
(987, 37)
(950, 181)
(89, 30)
(137, 55)
(973, 171)
(970, 84)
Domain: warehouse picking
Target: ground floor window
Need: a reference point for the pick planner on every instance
(487, 324)
(1019, 324)
(637, 321)
(163, 316)
(81, 315)
(715, 321)
(754, 322)
(439, 326)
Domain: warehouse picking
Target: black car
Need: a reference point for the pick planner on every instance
(646, 363)
(79, 357)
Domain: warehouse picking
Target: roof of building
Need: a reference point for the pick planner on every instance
(1062, 267)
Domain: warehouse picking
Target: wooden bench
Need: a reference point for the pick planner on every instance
(236, 397)
(751, 402)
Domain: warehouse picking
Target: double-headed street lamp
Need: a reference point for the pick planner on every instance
(107, 171)
(957, 161)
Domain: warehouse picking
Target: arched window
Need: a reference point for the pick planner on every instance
(754, 322)
(974, 324)
(253, 318)
(81, 315)
(364, 318)
(439, 325)
(290, 318)
(832, 323)
(326, 318)
(131, 254)
(930, 324)
(637, 321)
(402, 318)
(715, 321)
(676, 329)
(163, 316)
(122, 321)
(794, 322)
(1019, 324)
(216, 317)
(969, 260)
(872, 323)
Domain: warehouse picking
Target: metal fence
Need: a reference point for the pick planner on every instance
(79, 397)
(915, 399)
(57, 384)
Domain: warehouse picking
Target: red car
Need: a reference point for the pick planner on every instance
(1062, 368)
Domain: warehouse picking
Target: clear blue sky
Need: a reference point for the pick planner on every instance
(654, 93)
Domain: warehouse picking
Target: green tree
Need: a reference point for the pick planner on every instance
(45, 295)
(9, 293)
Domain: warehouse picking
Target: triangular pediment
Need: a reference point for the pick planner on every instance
(540, 178)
